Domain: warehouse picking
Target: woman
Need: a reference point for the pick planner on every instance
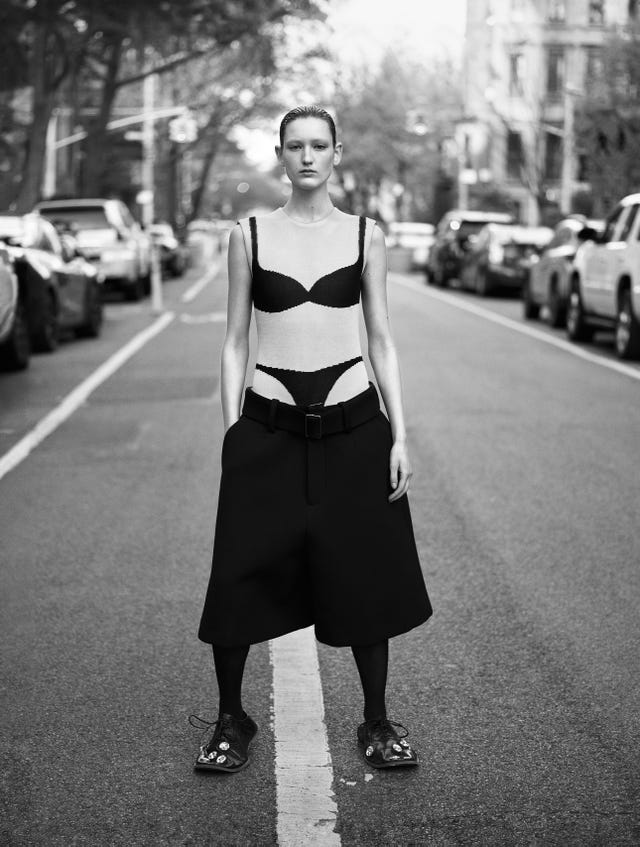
(313, 523)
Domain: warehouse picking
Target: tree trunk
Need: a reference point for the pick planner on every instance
(43, 101)
(198, 194)
(95, 143)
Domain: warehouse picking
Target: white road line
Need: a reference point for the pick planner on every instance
(192, 292)
(78, 396)
(208, 318)
(307, 810)
(567, 346)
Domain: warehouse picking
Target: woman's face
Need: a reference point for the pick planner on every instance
(308, 154)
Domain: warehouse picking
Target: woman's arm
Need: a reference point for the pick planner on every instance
(384, 359)
(235, 349)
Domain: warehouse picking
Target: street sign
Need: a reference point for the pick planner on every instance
(183, 129)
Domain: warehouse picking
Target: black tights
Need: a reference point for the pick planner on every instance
(371, 660)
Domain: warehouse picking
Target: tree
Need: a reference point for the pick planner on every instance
(83, 42)
(393, 119)
(608, 123)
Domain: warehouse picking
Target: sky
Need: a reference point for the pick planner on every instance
(361, 31)
(364, 29)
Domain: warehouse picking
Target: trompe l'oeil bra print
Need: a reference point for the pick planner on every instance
(273, 291)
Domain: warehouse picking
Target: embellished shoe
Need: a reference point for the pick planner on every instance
(227, 750)
(383, 747)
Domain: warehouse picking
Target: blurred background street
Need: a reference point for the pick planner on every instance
(496, 144)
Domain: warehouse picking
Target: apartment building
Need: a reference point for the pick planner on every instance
(526, 65)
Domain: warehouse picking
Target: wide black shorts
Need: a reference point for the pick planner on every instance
(347, 564)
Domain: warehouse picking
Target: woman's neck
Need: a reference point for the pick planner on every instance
(308, 206)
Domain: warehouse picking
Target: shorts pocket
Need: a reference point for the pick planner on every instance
(230, 432)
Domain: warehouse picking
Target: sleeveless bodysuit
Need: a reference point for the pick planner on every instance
(306, 285)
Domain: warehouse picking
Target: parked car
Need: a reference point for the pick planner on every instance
(454, 235)
(171, 252)
(61, 289)
(412, 235)
(109, 237)
(15, 347)
(501, 256)
(604, 288)
(548, 281)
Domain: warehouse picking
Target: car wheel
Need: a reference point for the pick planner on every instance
(578, 328)
(439, 278)
(93, 313)
(482, 282)
(627, 329)
(146, 283)
(45, 338)
(16, 350)
(135, 290)
(557, 309)
(530, 309)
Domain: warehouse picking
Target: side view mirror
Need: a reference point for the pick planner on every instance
(588, 233)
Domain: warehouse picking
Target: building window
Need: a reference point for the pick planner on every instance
(596, 12)
(555, 71)
(515, 155)
(594, 71)
(557, 11)
(552, 156)
(516, 74)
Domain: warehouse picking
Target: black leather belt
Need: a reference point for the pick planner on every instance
(313, 425)
(323, 420)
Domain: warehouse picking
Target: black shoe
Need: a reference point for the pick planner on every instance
(383, 747)
(227, 751)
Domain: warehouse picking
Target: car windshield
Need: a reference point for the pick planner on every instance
(469, 228)
(83, 217)
(22, 231)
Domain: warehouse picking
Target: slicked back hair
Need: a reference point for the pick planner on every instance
(307, 112)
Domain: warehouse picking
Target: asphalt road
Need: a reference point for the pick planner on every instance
(521, 692)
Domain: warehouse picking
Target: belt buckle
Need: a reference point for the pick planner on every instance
(312, 430)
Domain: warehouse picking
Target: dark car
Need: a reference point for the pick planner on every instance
(62, 290)
(15, 348)
(454, 236)
(501, 257)
(549, 279)
(171, 251)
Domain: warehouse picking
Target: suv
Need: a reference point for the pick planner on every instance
(605, 283)
(454, 234)
(109, 237)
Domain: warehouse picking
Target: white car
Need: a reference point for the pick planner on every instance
(605, 282)
(109, 237)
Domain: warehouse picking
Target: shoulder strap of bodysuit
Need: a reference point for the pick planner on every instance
(361, 232)
(254, 242)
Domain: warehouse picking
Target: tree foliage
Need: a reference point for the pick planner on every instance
(51, 46)
(393, 120)
(608, 125)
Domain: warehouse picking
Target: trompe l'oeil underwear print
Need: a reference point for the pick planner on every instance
(309, 387)
(273, 291)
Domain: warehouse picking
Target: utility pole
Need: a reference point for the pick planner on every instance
(148, 149)
(148, 185)
(568, 144)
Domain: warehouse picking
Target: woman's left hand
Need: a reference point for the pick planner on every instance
(400, 470)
